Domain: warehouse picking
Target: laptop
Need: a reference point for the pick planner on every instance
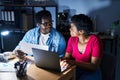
(47, 60)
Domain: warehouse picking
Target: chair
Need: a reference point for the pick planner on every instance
(108, 66)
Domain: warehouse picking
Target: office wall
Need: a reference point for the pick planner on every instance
(105, 11)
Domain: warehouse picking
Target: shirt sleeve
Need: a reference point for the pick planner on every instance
(69, 45)
(97, 50)
(27, 38)
(24, 39)
(62, 46)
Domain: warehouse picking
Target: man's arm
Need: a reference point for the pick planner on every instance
(61, 47)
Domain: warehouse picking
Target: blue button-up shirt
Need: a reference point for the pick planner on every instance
(55, 43)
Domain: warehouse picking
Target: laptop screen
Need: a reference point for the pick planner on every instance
(46, 59)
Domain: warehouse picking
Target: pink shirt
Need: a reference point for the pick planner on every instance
(94, 48)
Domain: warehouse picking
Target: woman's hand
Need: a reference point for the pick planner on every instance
(67, 63)
(71, 62)
(64, 64)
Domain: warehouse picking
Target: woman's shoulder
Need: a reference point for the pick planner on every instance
(73, 38)
(95, 38)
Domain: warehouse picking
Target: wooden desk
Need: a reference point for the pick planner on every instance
(11, 76)
(9, 73)
(35, 73)
(8, 76)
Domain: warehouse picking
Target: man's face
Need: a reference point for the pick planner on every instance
(45, 26)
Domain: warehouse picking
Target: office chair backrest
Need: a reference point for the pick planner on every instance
(108, 66)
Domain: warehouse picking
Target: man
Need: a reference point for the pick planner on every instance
(45, 35)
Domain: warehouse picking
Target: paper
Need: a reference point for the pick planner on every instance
(8, 66)
(27, 47)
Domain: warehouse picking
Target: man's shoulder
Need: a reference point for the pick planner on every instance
(33, 30)
(55, 32)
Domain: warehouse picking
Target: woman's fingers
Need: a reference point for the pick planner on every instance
(64, 64)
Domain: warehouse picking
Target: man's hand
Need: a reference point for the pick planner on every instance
(20, 54)
(23, 56)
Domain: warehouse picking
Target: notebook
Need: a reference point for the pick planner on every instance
(47, 60)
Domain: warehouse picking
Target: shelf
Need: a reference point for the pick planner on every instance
(24, 16)
(33, 4)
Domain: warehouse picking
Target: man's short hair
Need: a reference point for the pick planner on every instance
(44, 14)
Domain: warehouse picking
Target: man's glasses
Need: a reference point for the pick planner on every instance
(46, 24)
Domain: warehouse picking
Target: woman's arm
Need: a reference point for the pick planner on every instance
(92, 66)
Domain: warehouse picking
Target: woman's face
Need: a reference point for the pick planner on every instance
(73, 30)
(45, 26)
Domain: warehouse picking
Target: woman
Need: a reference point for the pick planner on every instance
(83, 49)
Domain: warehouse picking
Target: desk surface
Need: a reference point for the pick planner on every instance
(7, 71)
(35, 73)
